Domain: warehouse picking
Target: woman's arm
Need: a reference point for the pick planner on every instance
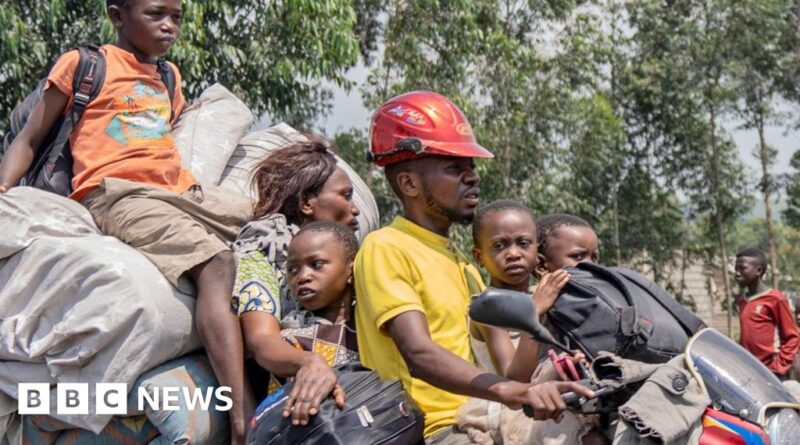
(262, 338)
(314, 379)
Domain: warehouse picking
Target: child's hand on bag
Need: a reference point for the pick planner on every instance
(579, 357)
(547, 291)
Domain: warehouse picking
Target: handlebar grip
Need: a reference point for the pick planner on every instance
(528, 410)
(571, 399)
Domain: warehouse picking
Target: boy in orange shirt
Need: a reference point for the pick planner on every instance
(127, 172)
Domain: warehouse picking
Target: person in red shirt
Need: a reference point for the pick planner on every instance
(768, 328)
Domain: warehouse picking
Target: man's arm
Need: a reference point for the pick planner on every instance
(789, 336)
(430, 362)
(20, 154)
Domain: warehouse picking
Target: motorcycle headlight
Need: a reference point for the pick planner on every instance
(783, 427)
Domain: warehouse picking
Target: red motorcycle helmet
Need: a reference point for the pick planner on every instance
(421, 123)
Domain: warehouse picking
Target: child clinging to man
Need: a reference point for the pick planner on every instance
(319, 272)
(127, 172)
(505, 244)
(564, 241)
(507, 241)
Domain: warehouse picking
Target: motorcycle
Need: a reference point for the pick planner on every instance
(749, 405)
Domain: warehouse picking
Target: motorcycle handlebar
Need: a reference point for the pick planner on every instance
(571, 399)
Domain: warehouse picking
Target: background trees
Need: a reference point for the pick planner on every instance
(617, 110)
(274, 55)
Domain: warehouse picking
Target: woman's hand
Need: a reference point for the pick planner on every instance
(313, 382)
(547, 291)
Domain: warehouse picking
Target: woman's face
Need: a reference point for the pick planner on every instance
(334, 202)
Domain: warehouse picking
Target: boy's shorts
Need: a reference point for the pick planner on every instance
(174, 231)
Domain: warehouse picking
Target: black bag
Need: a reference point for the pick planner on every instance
(375, 412)
(51, 169)
(617, 310)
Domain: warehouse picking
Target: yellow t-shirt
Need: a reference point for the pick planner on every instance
(404, 267)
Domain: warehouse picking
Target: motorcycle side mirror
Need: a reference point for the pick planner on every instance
(511, 310)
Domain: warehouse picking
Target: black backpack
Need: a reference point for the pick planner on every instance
(375, 412)
(617, 310)
(51, 169)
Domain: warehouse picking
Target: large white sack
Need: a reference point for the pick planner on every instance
(209, 130)
(77, 306)
(251, 149)
(254, 146)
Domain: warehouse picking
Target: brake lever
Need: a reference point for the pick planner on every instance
(565, 367)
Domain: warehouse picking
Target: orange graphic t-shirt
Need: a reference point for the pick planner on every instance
(125, 131)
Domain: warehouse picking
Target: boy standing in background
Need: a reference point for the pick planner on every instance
(768, 327)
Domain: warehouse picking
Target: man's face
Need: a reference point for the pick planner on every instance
(450, 187)
(748, 270)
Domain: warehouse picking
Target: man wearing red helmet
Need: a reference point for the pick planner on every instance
(414, 285)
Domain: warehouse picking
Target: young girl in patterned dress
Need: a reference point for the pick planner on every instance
(319, 273)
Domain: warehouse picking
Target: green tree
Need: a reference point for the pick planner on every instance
(792, 212)
(274, 55)
(762, 52)
(681, 91)
(547, 108)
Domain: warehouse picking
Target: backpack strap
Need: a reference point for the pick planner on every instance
(169, 79)
(690, 322)
(86, 84)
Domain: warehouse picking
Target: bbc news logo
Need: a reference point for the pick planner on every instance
(112, 398)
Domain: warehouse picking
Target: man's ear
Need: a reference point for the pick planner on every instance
(541, 266)
(115, 15)
(409, 184)
(476, 254)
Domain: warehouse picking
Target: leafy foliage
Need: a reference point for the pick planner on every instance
(274, 55)
(792, 212)
(609, 109)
